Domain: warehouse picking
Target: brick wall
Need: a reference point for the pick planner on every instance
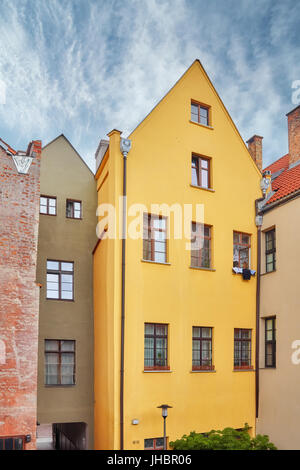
(255, 149)
(294, 134)
(19, 296)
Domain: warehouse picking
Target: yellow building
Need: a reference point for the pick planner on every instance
(185, 311)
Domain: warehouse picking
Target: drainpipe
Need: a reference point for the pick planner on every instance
(258, 221)
(125, 146)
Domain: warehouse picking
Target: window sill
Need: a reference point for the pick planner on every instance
(146, 371)
(51, 215)
(201, 187)
(201, 371)
(244, 369)
(62, 300)
(155, 262)
(269, 272)
(201, 125)
(202, 269)
(59, 386)
(73, 218)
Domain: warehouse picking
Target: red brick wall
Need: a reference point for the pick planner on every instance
(19, 296)
(294, 134)
(255, 149)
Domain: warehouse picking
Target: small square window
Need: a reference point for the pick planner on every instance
(48, 205)
(73, 209)
(200, 113)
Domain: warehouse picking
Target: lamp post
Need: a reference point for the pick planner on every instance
(164, 413)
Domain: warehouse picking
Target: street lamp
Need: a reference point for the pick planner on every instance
(164, 413)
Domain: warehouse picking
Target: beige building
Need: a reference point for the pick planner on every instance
(279, 361)
(67, 237)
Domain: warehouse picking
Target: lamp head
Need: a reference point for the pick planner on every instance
(125, 145)
(164, 410)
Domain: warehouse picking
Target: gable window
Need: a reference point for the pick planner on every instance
(60, 285)
(270, 342)
(242, 348)
(241, 250)
(59, 362)
(154, 444)
(73, 209)
(200, 171)
(202, 348)
(199, 113)
(47, 205)
(12, 443)
(201, 246)
(156, 347)
(270, 251)
(155, 238)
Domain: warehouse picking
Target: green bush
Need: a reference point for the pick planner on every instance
(228, 439)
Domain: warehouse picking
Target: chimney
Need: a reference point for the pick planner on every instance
(294, 134)
(255, 149)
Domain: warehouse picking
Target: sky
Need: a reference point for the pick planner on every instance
(85, 67)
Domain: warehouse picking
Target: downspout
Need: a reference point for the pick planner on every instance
(125, 146)
(265, 185)
(258, 221)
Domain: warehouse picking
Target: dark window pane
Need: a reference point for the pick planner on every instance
(149, 443)
(9, 444)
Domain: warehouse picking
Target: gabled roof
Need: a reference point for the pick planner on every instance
(285, 179)
(280, 164)
(67, 140)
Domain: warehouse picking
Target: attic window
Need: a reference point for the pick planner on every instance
(200, 113)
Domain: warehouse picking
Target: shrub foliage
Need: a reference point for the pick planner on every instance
(228, 439)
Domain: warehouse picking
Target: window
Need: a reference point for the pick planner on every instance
(270, 342)
(59, 362)
(48, 205)
(156, 347)
(202, 348)
(154, 444)
(12, 443)
(200, 171)
(73, 209)
(60, 280)
(242, 349)
(199, 113)
(155, 238)
(270, 251)
(241, 250)
(201, 246)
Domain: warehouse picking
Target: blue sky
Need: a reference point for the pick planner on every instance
(84, 67)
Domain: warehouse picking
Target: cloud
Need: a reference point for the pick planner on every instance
(85, 67)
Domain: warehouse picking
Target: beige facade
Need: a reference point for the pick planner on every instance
(64, 175)
(279, 386)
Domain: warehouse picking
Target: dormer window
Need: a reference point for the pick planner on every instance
(199, 113)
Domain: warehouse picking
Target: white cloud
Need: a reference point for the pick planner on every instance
(83, 68)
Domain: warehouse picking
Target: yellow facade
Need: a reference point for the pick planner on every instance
(159, 171)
